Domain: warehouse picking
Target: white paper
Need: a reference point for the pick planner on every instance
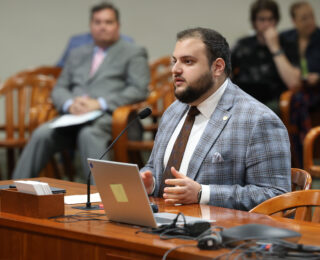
(23, 186)
(33, 187)
(46, 188)
(77, 199)
(68, 120)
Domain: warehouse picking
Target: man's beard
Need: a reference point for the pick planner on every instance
(197, 89)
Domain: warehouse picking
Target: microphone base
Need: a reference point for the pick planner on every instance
(91, 207)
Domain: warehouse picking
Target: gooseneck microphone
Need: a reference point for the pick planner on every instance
(141, 115)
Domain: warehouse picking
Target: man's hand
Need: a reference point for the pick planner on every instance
(185, 190)
(83, 105)
(272, 39)
(147, 178)
(77, 107)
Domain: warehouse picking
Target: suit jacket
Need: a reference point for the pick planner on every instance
(121, 79)
(243, 154)
(80, 40)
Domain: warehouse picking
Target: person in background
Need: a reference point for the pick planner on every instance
(215, 144)
(302, 48)
(252, 60)
(102, 76)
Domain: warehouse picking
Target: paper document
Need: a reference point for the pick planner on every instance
(33, 187)
(68, 120)
(78, 199)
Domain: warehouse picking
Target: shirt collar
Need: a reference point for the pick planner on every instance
(96, 49)
(208, 106)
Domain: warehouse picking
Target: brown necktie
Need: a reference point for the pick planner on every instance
(179, 147)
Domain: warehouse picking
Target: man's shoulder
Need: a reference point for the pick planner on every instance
(246, 104)
(83, 49)
(81, 39)
(177, 107)
(128, 47)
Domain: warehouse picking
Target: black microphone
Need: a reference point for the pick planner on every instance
(141, 115)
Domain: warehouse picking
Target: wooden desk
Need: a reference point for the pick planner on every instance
(30, 238)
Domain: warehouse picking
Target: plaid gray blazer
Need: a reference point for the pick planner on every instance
(243, 154)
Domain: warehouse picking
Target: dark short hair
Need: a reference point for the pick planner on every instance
(105, 5)
(261, 5)
(216, 45)
(295, 6)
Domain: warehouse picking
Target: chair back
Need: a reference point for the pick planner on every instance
(309, 147)
(42, 70)
(306, 203)
(300, 179)
(160, 70)
(161, 89)
(20, 95)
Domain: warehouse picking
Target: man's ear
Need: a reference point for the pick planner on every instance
(217, 67)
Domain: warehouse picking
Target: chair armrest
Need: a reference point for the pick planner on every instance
(121, 117)
(41, 114)
(285, 101)
(308, 148)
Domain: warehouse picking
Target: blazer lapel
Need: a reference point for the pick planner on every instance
(87, 61)
(112, 52)
(215, 126)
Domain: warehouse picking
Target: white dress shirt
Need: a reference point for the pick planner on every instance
(206, 109)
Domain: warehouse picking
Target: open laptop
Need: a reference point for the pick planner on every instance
(124, 196)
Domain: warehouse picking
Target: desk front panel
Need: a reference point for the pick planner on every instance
(30, 238)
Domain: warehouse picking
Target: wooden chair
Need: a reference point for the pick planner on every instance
(51, 71)
(285, 101)
(42, 113)
(310, 142)
(160, 98)
(161, 94)
(21, 94)
(302, 201)
(300, 179)
(160, 71)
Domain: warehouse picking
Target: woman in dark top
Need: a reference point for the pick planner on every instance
(254, 69)
(302, 47)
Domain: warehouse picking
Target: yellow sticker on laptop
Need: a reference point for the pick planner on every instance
(119, 193)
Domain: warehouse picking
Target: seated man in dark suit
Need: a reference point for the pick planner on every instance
(104, 75)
